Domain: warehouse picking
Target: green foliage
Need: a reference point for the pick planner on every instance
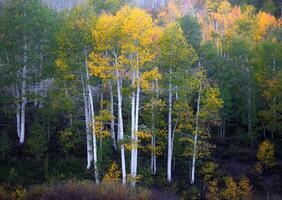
(193, 193)
(240, 78)
(269, 6)
(69, 139)
(208, 171)
(37, 141)
(175, 51)
(111, 6)
(4, 144)
(192, 30)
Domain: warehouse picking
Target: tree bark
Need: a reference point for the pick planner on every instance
(169, 143)
(120, 122)
(87, 126)
(92, 114)
(113, 135)
(196, 137)
(153, 138)
(23, 103)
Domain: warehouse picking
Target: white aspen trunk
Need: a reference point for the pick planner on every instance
(87, 126)
(94, 142)
(153, 144)
(18, 120)
(196, 138)
(23, 103)
(132, 125)
(18, 112)
(153, 138)
(134, 152)
(120, 125)
(169, 142)
(113, 135)
(120, 122)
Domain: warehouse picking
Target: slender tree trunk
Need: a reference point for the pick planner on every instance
(169, 142)
(113, 135)
(135, 136)
(153, 138)
(153, 142)
(94, 142)
(23, 103)
(87, 126)
(23, 92)
(133, 98)
(196, 138)
(18, 112)
(120, 122)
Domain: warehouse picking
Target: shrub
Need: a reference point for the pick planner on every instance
(208, 170)
(212, 192)
(36, 192)
(245, 189)
(265, 154)
(230, 190)
(113, 174)
(88, 190)
(18, 194)
(4, 193)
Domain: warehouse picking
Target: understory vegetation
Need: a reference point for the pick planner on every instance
(140, 99)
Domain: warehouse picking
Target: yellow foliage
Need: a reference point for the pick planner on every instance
(64, 69)
(224, 8)
(143, 134)
(258, 168)
(105, 33)
(136, 179)
(212, 191)
(230, 190)
(265, 154)
(265, 23)
(100, 66)
(128, 38)
(18, 194)
(148, 77)
(132, 145)
(245, 189)
(113, 174)
(208, 170)
(169, 14)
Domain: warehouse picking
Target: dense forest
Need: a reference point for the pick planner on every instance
(145, 99)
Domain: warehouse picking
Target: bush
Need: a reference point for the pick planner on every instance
(213, 191)
(4, 193)
(36, 192)
(245, 189)
(88, 190)
(230, 190)
(265, 154)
